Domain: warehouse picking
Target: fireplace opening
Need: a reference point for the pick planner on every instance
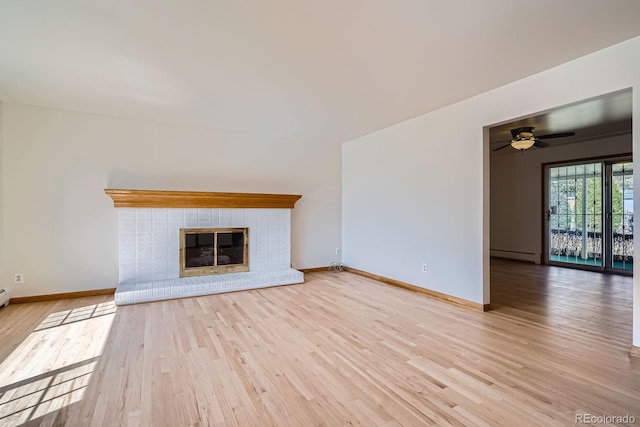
(207, 251)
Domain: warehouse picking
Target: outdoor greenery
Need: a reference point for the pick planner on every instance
(594, 205)
(568, 196)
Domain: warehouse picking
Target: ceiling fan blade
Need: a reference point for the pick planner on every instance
(504, 146)
(540, 144)
(557, 135)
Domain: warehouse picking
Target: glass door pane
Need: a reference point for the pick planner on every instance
(593, 211)
(575, 214)
(199, 249)
(230, 247)
(621, 216)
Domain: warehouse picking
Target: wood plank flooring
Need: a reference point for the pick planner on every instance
(339, 350)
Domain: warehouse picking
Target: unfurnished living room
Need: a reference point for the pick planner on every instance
(333, 213)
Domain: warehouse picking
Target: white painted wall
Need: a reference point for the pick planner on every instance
(418, 191)
(61, 230)
(516, 193)
(2, 270)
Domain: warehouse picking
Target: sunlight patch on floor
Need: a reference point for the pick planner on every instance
(52, 367)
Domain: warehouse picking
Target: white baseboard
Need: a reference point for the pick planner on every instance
(520, 256)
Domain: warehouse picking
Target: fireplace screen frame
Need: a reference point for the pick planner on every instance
(215, 268)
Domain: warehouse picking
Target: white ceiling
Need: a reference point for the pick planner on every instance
(326, 70)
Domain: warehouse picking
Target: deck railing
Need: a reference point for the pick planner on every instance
(569, 243)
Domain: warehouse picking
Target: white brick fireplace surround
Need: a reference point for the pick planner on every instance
(149, 250)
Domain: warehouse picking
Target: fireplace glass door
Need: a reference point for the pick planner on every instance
(230, 248)
(199, 249)
(207, 251)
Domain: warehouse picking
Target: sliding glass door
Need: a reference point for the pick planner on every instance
(574, 214)
(589, 215)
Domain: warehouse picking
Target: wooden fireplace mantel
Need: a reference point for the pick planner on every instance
(198, 199)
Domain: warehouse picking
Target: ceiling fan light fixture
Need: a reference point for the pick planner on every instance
(522, 144)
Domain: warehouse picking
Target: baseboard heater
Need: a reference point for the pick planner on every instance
(517, 255)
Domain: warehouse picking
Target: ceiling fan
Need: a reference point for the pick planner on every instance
(522, 138)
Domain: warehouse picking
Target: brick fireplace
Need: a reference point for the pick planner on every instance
(150, 227)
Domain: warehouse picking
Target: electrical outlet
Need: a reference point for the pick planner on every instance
(338, 251)
(18, 278)
(424, 267)
(293, 265)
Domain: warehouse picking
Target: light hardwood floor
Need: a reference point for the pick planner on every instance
(338, 350)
